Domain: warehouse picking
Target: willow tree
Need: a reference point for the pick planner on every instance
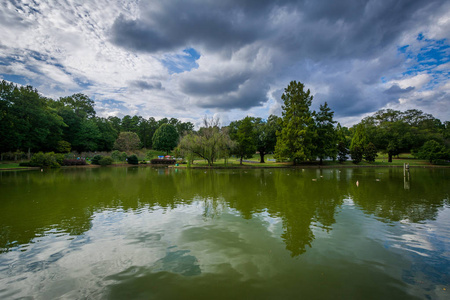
(210, 142)
(295, 140)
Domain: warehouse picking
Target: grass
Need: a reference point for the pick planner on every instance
(10, 165)
(380, 161)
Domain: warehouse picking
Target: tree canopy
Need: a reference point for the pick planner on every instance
(165, 138)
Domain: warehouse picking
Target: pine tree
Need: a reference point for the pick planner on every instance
(295, 140)
(325, 134)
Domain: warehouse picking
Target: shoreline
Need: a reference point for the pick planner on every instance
(228, 167)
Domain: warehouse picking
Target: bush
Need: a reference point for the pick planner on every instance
(96, 159)
(105, 161)
(357, 154)
(163, 161)
(370, 152)
(74, 162)
(24, 164)
(44, 160)
(133, 159)
(143, 162)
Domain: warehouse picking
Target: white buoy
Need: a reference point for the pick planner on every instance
(357, 183)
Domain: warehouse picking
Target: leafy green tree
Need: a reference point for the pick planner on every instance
(326, 139)
(108, 134)
(342, 152)
(433, 151)
(357, 154)
(130, 124)
(245, 139)
(209, 143)
(115, 123)
(87, 138)
(81, 105)
(266, 135)
(370, 152)
(63, 147)
(165, 138)
(127, 141)
(295, 140)
(359, 138)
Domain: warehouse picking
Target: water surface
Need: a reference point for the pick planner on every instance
(144, 233)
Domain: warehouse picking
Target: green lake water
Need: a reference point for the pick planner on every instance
(145, 233)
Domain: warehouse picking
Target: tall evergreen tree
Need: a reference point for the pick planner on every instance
(296, 137)
(326, 139)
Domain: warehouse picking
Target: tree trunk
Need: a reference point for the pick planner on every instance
(261, 154)
(389, 157)
(320, 161)
(29, 153)
(241, 160)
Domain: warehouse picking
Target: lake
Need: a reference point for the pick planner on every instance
(146, 233)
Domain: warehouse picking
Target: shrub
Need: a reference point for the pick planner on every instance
(116, 155)
(105, 161)
(133, 159)
(74, 162)
(370, 152)
(143, 162)
(95, 160)
(44, 160)
(123, 156)
(163, 161)
(24, 164)
(357, 154)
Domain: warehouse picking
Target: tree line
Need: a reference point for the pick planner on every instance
(30, 122)
(301, 135)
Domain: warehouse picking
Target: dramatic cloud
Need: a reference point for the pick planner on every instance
(191, 58)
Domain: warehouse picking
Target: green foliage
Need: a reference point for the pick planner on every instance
(116, 155)
(295, 140)
(243, 133)
(105, 161)
(370, 152)
(45, 160)
(359, 138)
(326, 137)
(63, 147)
(342, 152)
(96, 159)
(433, 152)
(127, 141)
(133, 159)
(266, 135)
(357, 154)
(209, 143)
(165, 138)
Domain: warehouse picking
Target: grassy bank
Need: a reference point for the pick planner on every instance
(270, 162)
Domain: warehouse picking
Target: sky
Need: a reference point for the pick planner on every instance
(231, 58)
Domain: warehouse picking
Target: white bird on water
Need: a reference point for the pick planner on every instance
(357, 183)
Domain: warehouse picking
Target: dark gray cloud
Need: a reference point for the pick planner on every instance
(334, 33)
(146, 85)
(397, 90)
(213, 85)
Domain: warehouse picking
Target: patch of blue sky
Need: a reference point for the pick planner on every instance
(22, 80)
(431, 55)
(185, 61)
(112, 102)
(84, 84)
